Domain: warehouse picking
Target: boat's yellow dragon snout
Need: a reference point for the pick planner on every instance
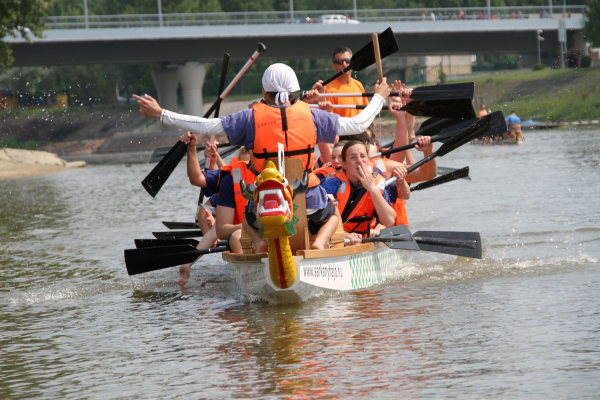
(274, 213)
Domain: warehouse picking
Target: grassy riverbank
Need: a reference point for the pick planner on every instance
(549, 95)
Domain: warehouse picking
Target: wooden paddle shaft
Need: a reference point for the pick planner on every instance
(377, 56)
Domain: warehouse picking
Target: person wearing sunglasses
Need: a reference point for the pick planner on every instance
(341, 57)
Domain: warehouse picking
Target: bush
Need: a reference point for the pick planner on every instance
(585, 61)
(538, 67)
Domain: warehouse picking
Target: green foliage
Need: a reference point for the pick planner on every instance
(591, 30)
(13, 143)
(585, 61)
(538, 67)
(441, 75)
(20, 18)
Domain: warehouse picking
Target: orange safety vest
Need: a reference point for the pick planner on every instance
(292, 126)
(234, 160)
(239, 171)
(326, 171)
(362, 217)
(399, 205)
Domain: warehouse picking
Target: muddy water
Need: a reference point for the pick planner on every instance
(522, 323)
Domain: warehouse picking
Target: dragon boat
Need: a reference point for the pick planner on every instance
(290, 272)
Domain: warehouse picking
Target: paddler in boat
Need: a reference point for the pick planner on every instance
(208, 181)
(363, 200)
(340, 58)
(270, 122)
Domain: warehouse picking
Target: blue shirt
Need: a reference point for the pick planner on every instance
(513, 119)
(212, 178)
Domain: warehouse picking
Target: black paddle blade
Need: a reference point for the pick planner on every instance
(178, 234)
(366, 56)
(460, 109)
(465, 244)
(399, 238)
(448, 170)
(453, 91)
(139, 261)
(498, 125)
(180, 225)
(435, 125)
(477, 128)
(146, 243)
(159, 175)
(458, 174)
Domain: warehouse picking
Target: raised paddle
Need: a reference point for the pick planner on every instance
(139, 261)
(478, 128)
(178, 234)
(451, 131)
(465, 244)
(365, 57)
(162, 151)
(159, 175)
(147, 243)
(458, 174)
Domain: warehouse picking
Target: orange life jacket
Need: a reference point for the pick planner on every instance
(239, 171)
(234, 160)
(292, 126)
(361, 218)
(326, 171)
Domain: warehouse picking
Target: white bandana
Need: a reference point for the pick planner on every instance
(281, 79)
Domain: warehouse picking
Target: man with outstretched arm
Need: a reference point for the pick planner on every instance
(276, 119)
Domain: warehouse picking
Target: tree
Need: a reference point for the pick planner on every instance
(22, 17)
(591, 30)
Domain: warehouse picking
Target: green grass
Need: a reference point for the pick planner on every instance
(548, 95)
(13, 143)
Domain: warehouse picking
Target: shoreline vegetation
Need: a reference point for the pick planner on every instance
(554, 97)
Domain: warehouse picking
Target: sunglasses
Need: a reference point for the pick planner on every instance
(342, 60)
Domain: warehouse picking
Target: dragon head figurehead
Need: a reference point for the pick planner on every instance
(273, 200)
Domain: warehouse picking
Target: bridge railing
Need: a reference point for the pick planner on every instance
(299, 17)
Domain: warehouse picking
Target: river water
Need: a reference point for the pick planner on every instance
(524, 322)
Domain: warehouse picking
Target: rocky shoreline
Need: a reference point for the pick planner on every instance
(16, 163)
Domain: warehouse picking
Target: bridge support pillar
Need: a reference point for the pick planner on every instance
(166, 81)
(191, 76)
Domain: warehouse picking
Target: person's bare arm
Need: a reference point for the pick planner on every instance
(195, 174)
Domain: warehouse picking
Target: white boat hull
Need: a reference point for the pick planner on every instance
(316, 275)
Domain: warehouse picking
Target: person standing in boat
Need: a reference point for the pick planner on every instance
(276, 119)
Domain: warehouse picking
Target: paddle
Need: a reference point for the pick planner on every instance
(178, 234)
(139, 261)
(365, 57)
(448, 170)
(146, 243)
(159, 175)
(223, 154)
(476, 129)
(180, 225)
(162, 151)
(458, 174)
(465, 244)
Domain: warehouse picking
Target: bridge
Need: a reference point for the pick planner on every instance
(177, 38)
(183, 42)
